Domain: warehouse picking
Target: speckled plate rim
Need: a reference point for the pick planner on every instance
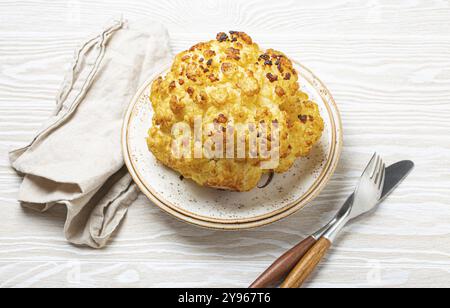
(336, 145)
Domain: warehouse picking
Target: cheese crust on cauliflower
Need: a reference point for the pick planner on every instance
(231, 81)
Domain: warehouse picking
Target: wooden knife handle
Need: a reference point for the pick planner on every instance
(307, 264)
(283, 265)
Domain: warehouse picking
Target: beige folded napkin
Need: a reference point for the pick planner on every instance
(76, 160)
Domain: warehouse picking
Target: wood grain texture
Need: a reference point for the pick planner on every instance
(307, 265)
(387, 64)
(282, 266)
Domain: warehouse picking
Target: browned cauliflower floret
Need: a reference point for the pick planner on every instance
(231, 81)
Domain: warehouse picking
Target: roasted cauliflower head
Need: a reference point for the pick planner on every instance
(223, 84)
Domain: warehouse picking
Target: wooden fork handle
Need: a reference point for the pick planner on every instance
(307, 264)
(283, 265)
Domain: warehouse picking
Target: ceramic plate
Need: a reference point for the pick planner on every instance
(212, 208)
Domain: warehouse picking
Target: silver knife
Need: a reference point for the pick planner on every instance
(395, 174)
(367, 196)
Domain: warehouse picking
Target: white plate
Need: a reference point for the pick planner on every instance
(217, 209)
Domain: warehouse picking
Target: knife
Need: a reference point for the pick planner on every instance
(395, 174)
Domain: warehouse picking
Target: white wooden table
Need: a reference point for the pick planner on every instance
(386, 62)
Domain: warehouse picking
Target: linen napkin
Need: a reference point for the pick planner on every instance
(76, 160)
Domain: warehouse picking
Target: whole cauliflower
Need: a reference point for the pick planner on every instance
(230, 81)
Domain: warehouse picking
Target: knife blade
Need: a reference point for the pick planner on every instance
(395, 174)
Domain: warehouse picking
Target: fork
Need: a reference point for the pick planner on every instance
(367, 194)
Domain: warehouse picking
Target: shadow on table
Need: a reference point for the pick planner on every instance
(268, 242)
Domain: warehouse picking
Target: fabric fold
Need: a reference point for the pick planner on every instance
(76, 159)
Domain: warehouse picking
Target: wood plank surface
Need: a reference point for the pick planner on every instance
(387, 63)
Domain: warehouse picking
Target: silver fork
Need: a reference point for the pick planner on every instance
(367, 195)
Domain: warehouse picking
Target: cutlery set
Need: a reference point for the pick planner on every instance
(375, 185)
